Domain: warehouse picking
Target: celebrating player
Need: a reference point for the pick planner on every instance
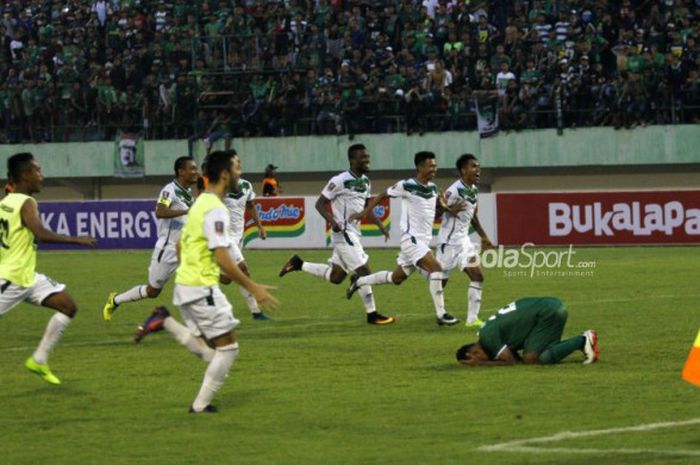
(20, 228)
(239, 200)
(171, 210)
(346, 194)
(455, 249)
(533, 325)
(204, 256)
(419, 198)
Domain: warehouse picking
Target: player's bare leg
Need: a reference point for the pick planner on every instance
(433, 268)
(373, 317)
(136, 293)
(66, 309)
(225, 353)
(476, 278)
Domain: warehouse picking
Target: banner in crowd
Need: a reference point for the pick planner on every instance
(282, 217)
(487, 114)
(597, 218)
(367, 227)
(128, 156)
(117, 224)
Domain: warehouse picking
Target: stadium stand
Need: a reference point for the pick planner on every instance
(74, 70)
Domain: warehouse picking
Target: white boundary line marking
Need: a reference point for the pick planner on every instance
(524, 445)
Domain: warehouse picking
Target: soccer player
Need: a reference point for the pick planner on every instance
(239, 200)
(455, 249)
(20, 228)
(204, 255)
(533, 325)
(174, 201)
(419, 199)
(346, 194)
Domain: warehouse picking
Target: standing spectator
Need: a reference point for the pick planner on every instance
(270, 185)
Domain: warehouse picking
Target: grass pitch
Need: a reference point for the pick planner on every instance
(319, 386)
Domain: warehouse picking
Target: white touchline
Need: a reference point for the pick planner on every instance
(525, 445)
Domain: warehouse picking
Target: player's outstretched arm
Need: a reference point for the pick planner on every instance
(163, 212)
(485, 241)
(31, 219)
(373, 218)
(261, 292)
(253, 212)
(369, 207)
(322, 204)
(443, 205)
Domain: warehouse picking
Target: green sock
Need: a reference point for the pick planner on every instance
(560, 350)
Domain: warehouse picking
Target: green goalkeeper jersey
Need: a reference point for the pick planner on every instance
(512, 326)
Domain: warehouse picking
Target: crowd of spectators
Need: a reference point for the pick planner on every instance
(191, 68)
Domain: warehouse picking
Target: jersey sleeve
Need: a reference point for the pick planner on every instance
(166, 196)
(251, 195)
(216, 223)
(397, 190)
(332, 189)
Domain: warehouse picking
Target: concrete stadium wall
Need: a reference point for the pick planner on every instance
(655, 157)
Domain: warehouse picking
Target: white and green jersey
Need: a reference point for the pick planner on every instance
(236, 201)
(417, 208)
(175, 197)
(454, 230)
(348, 194)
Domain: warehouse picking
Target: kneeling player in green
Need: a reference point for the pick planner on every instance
(533, 325)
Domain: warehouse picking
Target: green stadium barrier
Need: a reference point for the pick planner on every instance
(537, 148)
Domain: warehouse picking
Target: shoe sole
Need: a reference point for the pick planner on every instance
(388, 321)
(594, 347)
(445, 323)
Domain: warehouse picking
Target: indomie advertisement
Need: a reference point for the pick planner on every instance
(281, 217)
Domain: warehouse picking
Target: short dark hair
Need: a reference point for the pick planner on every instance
(354, 149)
(422, 156)
(218, 162)
(17, 165)
(463, 351)
(180, 164)
(463, 160)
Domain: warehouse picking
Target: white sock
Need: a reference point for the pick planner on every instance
(437, 293)
(380, 277)
(184, 336)
(250, 300)
(367, 298)
(317, 269)
(132, 295)
(215, 375)
(474, 294)
(54, 330)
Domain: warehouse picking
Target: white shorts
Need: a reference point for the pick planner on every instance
(162, 267)
(235, 252)
(12, 294)
(205, 310)
(452, 257)
(411, 253)
(348, 253)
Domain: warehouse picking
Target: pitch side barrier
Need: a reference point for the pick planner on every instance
(291, 223)
(540, 219)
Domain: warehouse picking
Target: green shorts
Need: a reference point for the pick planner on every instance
(551, 319)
